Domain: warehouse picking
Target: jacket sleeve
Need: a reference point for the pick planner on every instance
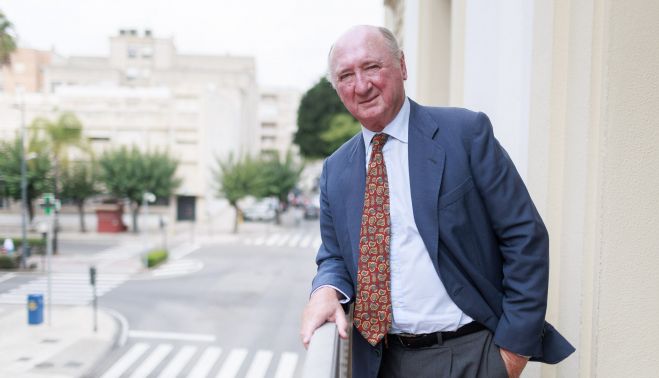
(522, 238)
(332, 270)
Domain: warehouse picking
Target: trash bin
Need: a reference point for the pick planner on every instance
(34, 309)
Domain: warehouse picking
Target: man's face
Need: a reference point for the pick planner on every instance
(368, 78)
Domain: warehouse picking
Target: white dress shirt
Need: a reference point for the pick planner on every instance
(419, 299)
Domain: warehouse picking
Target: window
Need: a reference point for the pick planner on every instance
(131, 52)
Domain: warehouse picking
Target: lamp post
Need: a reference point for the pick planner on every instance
(147, 198)
(23, 189)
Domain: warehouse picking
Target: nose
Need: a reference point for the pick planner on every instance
(362, 84)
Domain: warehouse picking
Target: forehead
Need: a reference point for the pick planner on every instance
(359, 47)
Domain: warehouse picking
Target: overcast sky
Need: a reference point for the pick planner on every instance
(289, 38)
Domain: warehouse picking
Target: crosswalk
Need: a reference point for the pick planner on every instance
(67, 288)
(177, 268)
(166, 360)
(285, 239)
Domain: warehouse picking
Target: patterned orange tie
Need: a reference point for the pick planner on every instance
(372, 315)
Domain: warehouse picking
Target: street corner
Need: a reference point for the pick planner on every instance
(171, 269)
(65, 344)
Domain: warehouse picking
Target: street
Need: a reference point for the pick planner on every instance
(237, 316)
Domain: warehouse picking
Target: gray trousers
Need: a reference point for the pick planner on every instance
(470, 356)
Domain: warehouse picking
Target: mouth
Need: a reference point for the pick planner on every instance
(368, 101)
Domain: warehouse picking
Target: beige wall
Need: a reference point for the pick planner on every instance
(592, 171)
(593, 154)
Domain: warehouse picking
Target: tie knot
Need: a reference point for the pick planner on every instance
(379, 140)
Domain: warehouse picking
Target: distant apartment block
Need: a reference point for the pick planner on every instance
(147, 94)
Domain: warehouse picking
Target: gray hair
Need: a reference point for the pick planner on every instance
(390, 41)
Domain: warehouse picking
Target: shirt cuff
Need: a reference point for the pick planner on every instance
(345, 299)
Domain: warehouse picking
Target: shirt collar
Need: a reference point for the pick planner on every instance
(397, 128)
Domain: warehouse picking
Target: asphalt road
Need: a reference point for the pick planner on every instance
(237, 316)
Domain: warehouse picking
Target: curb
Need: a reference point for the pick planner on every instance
(122, 336)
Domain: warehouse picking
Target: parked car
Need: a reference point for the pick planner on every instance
(262, 210)
(312, 208)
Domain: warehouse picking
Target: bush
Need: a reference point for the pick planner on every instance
(7, 262)
(37, 245)
(156, 257)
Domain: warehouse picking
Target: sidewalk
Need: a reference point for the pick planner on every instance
(67, 348)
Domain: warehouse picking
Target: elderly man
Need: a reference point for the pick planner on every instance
(428, 228)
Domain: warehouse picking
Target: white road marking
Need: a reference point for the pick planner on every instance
(260, 364)
(154, 359)
(286, 367)
(283, 240)
(178, 363)
(172, 336)
(125, 362)
(205, 362)
(7, 277)
(232, 364)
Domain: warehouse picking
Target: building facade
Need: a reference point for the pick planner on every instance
(145, 93)
(569, 86)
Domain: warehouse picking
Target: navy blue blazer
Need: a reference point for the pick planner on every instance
(485, 237)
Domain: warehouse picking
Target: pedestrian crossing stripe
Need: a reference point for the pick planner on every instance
(178, 267)
(297, 239)
(143, 359)
(67, 288)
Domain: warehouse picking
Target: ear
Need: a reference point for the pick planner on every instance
(403, 67)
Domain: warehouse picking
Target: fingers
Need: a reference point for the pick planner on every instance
(341, 322)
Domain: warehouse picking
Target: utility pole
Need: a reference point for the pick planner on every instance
(49, 204)
(24, 203)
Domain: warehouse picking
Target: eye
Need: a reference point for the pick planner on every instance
(345, 76)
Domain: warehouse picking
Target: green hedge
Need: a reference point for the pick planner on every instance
(37, 245)
(156, 257)
(7, 262)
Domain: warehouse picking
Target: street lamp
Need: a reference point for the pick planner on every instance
(147, 198)
(21, 107)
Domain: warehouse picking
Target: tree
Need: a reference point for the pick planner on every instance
(79, 182)
(277, 178)
(7, 39)
(237, 179)
(129, 173)
(341, 128)
(317, 107)
(61, 137)
(39, 178)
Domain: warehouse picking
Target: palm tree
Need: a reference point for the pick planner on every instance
(7, 39)
(61, 137)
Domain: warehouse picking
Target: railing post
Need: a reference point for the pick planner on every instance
(323, 355)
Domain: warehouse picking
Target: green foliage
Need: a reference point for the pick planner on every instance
(63, 133)
(7, 39)
(341, 128)
(8, 262)
(129, 173)
(156, 257)
(278, 177)
(38, 173)
(79, 181)
(317, 107)
(238, 178)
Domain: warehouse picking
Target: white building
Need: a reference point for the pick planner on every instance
(146, 94)
(277, 121)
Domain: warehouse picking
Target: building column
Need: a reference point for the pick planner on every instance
(592, 146)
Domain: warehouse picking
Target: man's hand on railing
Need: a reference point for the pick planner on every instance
(323, 307)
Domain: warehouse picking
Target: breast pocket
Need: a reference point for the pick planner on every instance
(456, 193)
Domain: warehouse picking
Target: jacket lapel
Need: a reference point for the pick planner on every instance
(354, 182)
(426, 160)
